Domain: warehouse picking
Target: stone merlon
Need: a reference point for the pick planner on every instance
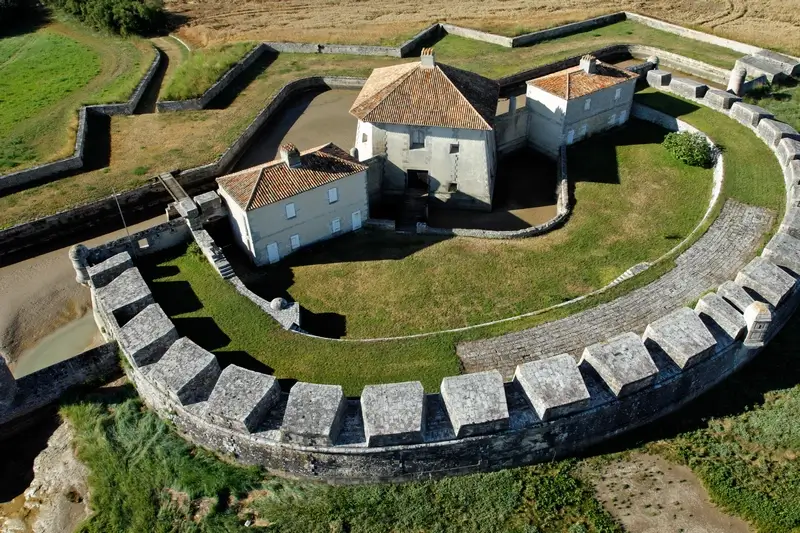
(784, 251)
(186, 372)
(723, 314)
(553, 386)
(682, 336)
(767, 280)
(475, 403)
(313, 414)
(148, 335)
(102, 274)
(393, 413)
(242, 398)
(623, 362)
(125, 295)
(735, 295)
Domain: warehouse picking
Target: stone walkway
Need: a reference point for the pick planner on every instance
(717, 256)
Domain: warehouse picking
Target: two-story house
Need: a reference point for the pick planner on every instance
(574, 103)
(433, 123)
(301, 198)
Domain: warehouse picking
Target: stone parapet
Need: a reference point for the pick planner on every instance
(101, 274)
(125, 295)
(772, 131)
(720, 99)
(749, 114)
(766, 280)
(241, 399)
(186, 372)
(682, 336)
(687, 87)
(393, 413)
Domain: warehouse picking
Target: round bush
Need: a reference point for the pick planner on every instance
(690, 148)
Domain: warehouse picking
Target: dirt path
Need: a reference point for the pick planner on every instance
(40, 295)
(648, 494)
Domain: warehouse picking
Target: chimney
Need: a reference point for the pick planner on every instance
(589, 64)
(290, 155)
(427, 58)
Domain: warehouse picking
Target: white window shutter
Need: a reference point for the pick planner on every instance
(333, 195)
(295, 241)
(290, 211)
(617, 94)
(336, 225)
(587, 105)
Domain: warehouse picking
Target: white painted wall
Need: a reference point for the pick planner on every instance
(364, 140)
(238, 220)
(546, 120)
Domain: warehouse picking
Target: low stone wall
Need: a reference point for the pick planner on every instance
(684, 64)
(44, 171)
(34, 391)
(220, 85)
(567, 29)
(350, 49)
(149, 241)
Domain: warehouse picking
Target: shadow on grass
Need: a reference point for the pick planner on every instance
(27, 18)
(667, 103)
(202, 330)
(242, 81)
(773, 369)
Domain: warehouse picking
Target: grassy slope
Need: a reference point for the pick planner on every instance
(202, 69)
(157, 141)
(783, 101)
(71, 66)
(145, 477)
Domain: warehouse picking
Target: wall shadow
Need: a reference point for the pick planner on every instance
(175, 297)
(147, 104)
(242, 359)
(773, 369)
(204, 331)
(667, 103)
(19, 451)
(242, 81)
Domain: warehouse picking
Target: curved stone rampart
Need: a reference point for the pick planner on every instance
(29, 176)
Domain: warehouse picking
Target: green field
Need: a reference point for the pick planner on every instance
(782, 100)
(47, 74)
(202, 69)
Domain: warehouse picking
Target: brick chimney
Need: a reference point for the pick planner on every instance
(427, 58)
(589, 64)
(290, 155)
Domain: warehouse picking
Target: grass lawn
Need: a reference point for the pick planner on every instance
(46, 75)
(202, 69)
(782, 100)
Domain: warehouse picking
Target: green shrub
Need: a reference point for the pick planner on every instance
(690, 148)
(124, 17)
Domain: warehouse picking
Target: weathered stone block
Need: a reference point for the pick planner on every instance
(622, 362)
(724, 315)
(719, 99)
(147, 336)
(8, 385)
(759, 319)
(760, 66)
(125, 295)
(102, 273)
(688, 88)
(788, 150)
(794, 172)
(393, 413)
(682, 336)
(787, 64)
(186, 372)
(313, 414)
(187, 208)
(658, 78)
(791, 222)
(208, 201)
(784, 251)
(476, 403)
(241, 398)
(553, 386)
(772, 131)
(767, 280)
(749, 114)
(735, 295)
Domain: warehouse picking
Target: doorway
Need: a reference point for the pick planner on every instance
(417, 180)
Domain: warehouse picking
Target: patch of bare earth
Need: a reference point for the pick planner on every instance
(648, 494)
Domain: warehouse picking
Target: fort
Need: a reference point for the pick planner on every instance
(530, 396)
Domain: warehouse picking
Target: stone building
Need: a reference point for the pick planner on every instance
(434, 125)
(574, 103)
(281, 206)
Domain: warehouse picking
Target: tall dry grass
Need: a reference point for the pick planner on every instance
(773, 23)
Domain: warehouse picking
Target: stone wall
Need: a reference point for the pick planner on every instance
(45, 171)
(212, 92)
(34, 391)
(684, 64)
(566, 29)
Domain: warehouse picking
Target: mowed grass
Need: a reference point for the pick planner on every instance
(144, 477)
(633, 203)
(46, 75)
(782, 100)
(202, 69)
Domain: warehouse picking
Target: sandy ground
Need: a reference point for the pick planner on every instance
(648, 494)
(40, 294)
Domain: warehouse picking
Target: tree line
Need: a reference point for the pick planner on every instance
(122, 17)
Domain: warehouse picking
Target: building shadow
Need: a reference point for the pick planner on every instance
(773, 369)
(667, 103)
(147, 104)
(226, 97)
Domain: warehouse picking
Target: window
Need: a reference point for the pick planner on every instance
(294, 240)
(453, 187)
(363, 137)
(336, 225)
(613, 119)
(417, 138)
(617, 94)
(333, 195)
(290, 212)
(570, 136)
(623, 117)
(454, 148)
(582, 131)
(587, 105)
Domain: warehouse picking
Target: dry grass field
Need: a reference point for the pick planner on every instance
(773, 23)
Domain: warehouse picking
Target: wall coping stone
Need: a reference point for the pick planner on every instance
(791, 222)
(313, 414)
(394, 413)
(749, 114)
(102, 273)
(126, 295)
(682, 336)
(688, 87)
(241, 398)
(735, 295)
(788, 150)
(767, 280)
(554, 386)
(622, 362)
(147, 335)
(186, 371)
(476, 403)
(720, 99)
(784, 251)
(772, 131)
(723, 314)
